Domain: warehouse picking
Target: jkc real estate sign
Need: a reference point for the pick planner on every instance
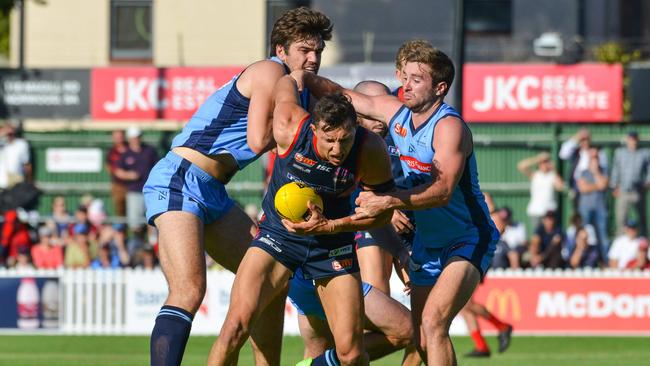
(542, 93)
(154, 93)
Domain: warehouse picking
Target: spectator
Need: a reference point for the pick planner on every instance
(118, 186)
(514, 235)
(544, 181)
(624, 253)
(630, 176)
(146, 258)
(15, 166)
(60, 215)
(133, 168)
(116, 242)
(592, 184)
(105, 259)
(23, 260)
(78, 248)
(45, 254)
(576, 151)
(547, 243)
(15, 235)
(581, 245)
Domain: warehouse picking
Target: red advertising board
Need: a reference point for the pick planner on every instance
(153, 93)
(574, 305)
(542, 93)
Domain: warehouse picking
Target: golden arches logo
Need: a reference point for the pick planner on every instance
(501, 301)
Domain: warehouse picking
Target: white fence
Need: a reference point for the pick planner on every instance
(127, 301)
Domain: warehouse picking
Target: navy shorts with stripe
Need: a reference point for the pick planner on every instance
(427, 263)
(175, 184)
(303, 296)
(316, 260)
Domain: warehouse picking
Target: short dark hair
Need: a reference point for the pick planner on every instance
(335, 111)
(299, 24)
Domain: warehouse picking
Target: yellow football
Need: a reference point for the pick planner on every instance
(291, 201)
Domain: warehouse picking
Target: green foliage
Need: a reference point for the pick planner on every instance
(614, 52)
(5, 10)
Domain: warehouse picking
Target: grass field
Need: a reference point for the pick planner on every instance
(126, 351)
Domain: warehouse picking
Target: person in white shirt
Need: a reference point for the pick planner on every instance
(624, 251)
(514, 235)
(544, 182)
(15, 166)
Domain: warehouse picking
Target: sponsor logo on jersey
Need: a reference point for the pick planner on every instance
(341, 264)
(341, 251)
(411, 148)
(301, 168)
(414, 163)
(300, 158)
(400, 130)
(266, 239)
(324, 168)
(393, 151)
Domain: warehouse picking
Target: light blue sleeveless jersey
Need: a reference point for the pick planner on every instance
(466, 218)
(219, 125)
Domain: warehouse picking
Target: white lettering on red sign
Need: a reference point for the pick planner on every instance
(592, 305)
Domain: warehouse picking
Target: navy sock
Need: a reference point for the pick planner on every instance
(169, 336)
(326, 359)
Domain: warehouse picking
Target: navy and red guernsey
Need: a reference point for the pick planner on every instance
(300, 163)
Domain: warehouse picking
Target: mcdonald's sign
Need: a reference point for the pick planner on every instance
(504, 303)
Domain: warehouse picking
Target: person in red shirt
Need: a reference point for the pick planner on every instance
(46, 254)
(15, 234)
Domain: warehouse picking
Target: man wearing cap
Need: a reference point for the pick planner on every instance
(133, 168)
(630, 176)
(624, 251)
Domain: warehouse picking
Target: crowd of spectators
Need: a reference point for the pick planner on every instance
(89, 238)
(590, 189)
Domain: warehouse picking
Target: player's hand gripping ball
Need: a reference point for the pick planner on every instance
(291, 201)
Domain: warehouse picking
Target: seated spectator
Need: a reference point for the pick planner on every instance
(514, 235)
(547, 243)
(23, 260)
(105, 259)
(146, 258)
(544, 182)
(60, 215)
(45, 254)
(624, 253)
(581, 248)
(78, 248)
(116, 242)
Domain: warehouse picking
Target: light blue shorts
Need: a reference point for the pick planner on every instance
(428, 263)
(175, 184)
(302, 294)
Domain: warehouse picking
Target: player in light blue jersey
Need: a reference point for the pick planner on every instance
(455, 237)
(185, 194)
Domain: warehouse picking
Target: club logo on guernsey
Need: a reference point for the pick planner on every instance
(400, 130)
(341, 264)
(393, 151)
(341, 251)
(300, 158)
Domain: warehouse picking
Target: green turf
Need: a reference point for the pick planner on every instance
(126, 351)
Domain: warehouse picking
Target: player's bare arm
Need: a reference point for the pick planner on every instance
(452, 144)
(287, 113)
(264, 75)
(381, 108)
(375, 174)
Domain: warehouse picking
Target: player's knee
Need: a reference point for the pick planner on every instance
(188, 297)
(405, 335)
(352, 356)
(435, 324)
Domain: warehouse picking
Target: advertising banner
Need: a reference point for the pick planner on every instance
(44, 93)
(73, 160)
(146, 292)
(542, 93)
(154, 93)
(29, 303)
(569, 305)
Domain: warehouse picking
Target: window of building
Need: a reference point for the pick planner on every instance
(131, 30)
(488, 16)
